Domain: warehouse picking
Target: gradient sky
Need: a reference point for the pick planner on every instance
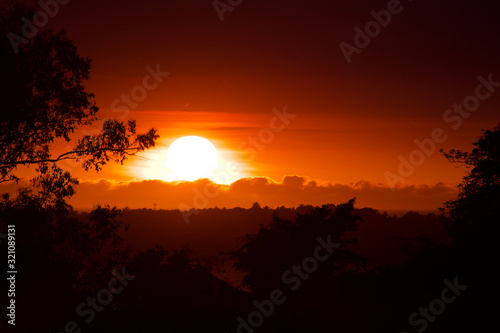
(352, 120)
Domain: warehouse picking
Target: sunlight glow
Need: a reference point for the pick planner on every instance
(191, 158)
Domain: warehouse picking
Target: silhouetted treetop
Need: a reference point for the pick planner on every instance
(477, 209)
(483, 162)
(44, 98)
(266, 255)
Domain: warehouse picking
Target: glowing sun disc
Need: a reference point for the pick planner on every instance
(191, 158)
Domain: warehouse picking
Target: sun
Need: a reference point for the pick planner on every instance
(191, 157)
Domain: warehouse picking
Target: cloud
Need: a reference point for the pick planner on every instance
(292, 190)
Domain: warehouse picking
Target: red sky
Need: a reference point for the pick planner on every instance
(352, 121)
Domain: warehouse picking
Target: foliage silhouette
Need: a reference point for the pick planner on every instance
(44, 98)
(267, 254)
(477, 209)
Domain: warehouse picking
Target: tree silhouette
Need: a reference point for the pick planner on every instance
(44, 98)
(267, 254)
(63, 258)
(172, 292)
(256, 206)
(476, 211)
(473, 223)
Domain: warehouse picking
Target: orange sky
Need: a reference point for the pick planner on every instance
(351, 121)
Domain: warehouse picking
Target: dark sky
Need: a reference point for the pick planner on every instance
(428, 39)
(431, 50)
